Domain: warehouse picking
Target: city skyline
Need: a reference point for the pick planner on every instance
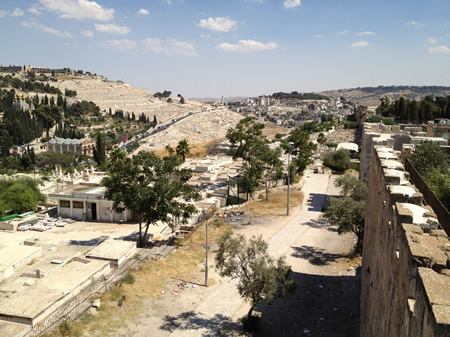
(237, 47)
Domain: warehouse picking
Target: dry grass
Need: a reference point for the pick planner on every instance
(277, 204)
(198, 150)
(153, 277)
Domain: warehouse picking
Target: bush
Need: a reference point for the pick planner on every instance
(350, 125)
(129, 279)
(338, 161)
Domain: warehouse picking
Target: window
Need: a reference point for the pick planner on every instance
(78, 204)
(64, 203)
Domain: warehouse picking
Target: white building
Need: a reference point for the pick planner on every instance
(87, 202)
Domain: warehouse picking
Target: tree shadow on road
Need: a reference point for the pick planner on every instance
(314, 255)
(219, 325)
(321, 223)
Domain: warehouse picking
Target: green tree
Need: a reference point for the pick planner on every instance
(348, 213)
(338, 161)
(321, 138)
(433, 164)
(155, 188)
(301, 150)
(429, 155)
(100, 150)
(260, 277)
(19, 195)
(183, 149)
(261, 164)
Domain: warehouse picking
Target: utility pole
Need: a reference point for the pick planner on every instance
(206, 263)
(289, 175)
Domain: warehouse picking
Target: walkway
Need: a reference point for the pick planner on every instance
(209, 317)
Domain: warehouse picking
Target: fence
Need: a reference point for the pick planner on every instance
(429, 196)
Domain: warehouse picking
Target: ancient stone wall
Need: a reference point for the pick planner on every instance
(405, 273)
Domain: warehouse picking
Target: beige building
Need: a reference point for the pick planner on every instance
(81, 146)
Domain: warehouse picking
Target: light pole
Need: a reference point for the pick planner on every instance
(206, 263)
(289, 174)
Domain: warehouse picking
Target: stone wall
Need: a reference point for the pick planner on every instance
(405, 275)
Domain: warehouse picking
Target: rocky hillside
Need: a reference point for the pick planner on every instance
(121, 96)
(370, 96)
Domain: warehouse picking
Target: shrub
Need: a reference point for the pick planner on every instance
(128, 279)
(337, 160)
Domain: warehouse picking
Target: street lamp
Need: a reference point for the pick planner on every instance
(289, 174)
(206, 262)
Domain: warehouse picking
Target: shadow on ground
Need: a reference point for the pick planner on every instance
(316, 201)
(219, 325)
(320, 224)
(92, 242)
(314, 255)
(322, 306)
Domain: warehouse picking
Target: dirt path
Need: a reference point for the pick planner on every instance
(326, 302)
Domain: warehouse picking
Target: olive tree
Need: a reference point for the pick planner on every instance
(260, 277)
(155, 188)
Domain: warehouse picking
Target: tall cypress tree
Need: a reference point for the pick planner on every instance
(100, 150)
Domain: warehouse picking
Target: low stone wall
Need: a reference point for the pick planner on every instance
(405, 275)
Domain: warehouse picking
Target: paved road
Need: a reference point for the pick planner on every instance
(221, 304)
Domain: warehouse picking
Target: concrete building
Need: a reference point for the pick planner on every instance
(81, 146)
(86, 201)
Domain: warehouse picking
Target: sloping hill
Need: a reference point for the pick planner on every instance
(121, 96)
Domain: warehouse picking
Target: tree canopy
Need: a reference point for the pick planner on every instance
(19, 195)
(301, 150)
(183, 149)
(433, 164)
(338, 161)
(155, 188)
(261, 163)
(348, 213)
(260, 276)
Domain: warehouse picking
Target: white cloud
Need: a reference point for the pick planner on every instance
(169, 46)
(414, 24)
(360, 44)
(17, 12)
(44, 28)
(205, 36)
(78, 9)
(181, 47)
(34, 10)
(220, 24)
(439, 50)
(124, 44)
(364, 33)
(87, 33)
(143, 11)
(318, 36)
(291, 3)
(244, 46)
(431, 40)
(342, 32)
(169, 2)
(112, 28)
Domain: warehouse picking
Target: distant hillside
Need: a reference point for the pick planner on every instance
(371, 95)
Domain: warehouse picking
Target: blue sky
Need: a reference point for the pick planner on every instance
(213, 48)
